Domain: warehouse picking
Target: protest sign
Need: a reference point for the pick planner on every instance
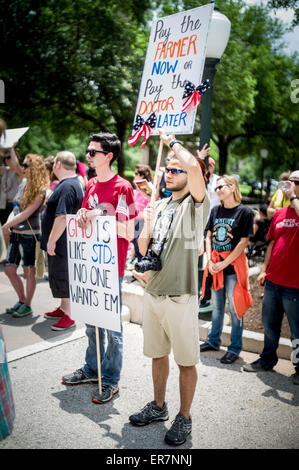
(145, 187)
(11, 136)
(93, 272)
(175, 55)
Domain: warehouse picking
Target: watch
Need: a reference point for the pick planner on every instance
(171, 144)
(292, 198)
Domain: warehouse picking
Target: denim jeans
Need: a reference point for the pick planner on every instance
(277, 301)
(111, 357)
(218, 298)
(21, 246)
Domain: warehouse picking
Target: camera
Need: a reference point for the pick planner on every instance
(150, 262)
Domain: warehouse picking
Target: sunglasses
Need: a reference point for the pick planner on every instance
(295, 181)
(8, 157)
(25, 165)
(175, 171)
(221, 186)
(93, 152)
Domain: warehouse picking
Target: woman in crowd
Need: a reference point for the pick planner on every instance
(49, 162)
(228, 230)
(23, 230)
(279, 199)
(141, 200)
(10, 178)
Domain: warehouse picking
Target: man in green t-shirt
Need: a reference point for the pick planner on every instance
(172, 233)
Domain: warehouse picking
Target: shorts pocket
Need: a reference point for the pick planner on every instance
(180, 299)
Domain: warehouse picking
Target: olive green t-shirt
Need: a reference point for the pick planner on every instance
(187, 220)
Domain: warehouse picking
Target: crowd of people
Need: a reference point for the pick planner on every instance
(195, 211)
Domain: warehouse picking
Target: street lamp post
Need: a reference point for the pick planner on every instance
(217, 41)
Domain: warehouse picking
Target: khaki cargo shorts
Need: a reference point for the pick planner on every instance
(171, 322)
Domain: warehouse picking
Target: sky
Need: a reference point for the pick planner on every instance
(292, 38)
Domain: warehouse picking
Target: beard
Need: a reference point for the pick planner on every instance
(176, 186)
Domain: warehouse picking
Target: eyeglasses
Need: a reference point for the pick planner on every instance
(175, 171)
(221, 186)
(93, 152)
(25, 165)
(295, 181)
(8, 157)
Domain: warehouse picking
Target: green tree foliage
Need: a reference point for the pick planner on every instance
(75, 65)
(287, 4)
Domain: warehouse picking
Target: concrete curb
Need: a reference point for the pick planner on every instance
(132, 295)
(66, 337)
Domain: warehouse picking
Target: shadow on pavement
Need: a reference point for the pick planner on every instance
(77, 400)
(212, 359)
(280, 383)
(8, 319)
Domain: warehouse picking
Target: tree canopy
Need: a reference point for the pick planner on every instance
(72, 67)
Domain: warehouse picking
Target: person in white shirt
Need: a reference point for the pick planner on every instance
(214, 199)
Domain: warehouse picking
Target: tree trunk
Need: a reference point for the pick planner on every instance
(121, 127)
(223, 153)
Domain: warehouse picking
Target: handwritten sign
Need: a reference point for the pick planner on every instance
(93, 272)
(176, 53)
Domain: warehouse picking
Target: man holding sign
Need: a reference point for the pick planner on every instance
(106, 194)
(173, 231)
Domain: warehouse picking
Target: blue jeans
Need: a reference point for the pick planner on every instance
(218, 298)
(111, 357)
(277, 300)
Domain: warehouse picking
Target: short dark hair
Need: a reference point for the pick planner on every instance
(109, 142)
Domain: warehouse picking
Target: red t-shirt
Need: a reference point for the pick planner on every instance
(284, 261)
(115, 197)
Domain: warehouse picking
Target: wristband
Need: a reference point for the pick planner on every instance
(292, 198)
(171, 144)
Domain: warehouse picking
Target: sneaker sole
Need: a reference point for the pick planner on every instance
(20, 315)
(82, 382)
(172, 443)
(97, 402)
(58, 328)
(52, 317)
(164, 418)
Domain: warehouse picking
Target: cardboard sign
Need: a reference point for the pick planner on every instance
(93, 272)
(11, 136)
(176, 53)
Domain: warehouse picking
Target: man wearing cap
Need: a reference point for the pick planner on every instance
(278, 274)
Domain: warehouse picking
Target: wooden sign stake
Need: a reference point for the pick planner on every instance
(153, 196)
(99, 360)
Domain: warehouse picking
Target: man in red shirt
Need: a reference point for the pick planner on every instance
(106, 194)
(281, 282)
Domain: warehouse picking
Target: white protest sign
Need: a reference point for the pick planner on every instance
(11, 136)
(176, 53)
(93, 272)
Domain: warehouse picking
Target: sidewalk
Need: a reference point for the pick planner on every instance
(231, 409)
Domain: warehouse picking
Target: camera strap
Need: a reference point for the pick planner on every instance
(159, 215)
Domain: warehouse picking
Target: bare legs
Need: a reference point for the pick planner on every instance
(24, 296)
(187, 381)
(65, 305)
